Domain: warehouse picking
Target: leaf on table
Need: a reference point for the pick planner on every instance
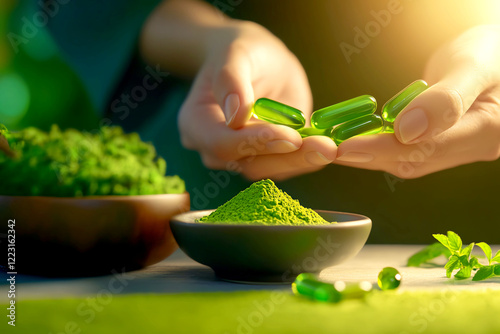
(484, 273)
(474, 263)
(428, 253)
(455, 241)
(443, 239)
(496, 269)
(486, 249)
(465, 272)
(452, 264)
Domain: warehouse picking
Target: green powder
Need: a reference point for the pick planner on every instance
(71, 163)
(263, 203)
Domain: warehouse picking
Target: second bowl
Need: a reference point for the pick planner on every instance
(277, 254)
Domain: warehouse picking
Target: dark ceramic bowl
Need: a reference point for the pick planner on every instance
(90, 235)
(256, 253)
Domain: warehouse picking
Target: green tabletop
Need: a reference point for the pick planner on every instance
(180, 296)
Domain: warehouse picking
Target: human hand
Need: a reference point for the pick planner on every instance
(454, 122)
(244, 62)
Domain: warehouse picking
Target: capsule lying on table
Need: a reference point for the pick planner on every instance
(307, 285)
(278, 113)
(344, 111)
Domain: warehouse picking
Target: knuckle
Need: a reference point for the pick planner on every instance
(251, 173)
(211, 162)
(217, 149)
(492, 152)
(490, 128)
(405, 170)
(186, 142)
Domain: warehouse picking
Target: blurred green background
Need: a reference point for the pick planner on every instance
(37, 87)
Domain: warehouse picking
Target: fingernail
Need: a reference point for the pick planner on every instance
(281, 146)
(412, 125)
(316, 158)
(231, 106)
(355, 157)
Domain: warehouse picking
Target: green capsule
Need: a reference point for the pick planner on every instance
(307, 285)
(344, 111)
(354, 289)
(389, 278)
(397, 103)
(365, 125)
(278, 113)
(307, 132)
(388, 128)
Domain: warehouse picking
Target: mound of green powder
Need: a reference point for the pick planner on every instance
(71, 163)
(263, 203)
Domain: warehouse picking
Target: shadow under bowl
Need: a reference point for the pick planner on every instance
(270, 254)
(87, 236)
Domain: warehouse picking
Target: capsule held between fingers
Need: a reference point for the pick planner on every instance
(307, 132)
(398, 102)
(366, 125)
(278, 113)
(344, 111)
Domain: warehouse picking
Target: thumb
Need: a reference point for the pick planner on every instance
(233, 89)
(439, 107)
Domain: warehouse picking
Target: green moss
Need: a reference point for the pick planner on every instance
(71, 163)
(263, 203)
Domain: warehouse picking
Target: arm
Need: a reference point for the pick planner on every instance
(234, 63)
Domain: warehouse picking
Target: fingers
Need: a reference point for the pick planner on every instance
(470, 140)
(233, 89)
(315, 153)
(441, 106)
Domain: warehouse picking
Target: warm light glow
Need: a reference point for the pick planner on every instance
(14, 97)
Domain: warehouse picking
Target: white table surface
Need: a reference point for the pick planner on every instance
(178, 274)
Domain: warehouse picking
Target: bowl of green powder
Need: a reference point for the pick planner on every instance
(83, 203)
(263, 235)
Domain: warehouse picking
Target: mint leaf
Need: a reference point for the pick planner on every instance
(484, 273)
(486, 249)
(496, 269)
(465, 272)
(451, 265)
(454, 241)
(443, 239)
(474, 263)
(467, 250)
(464, 260)
(428, 253)
(496, 257)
